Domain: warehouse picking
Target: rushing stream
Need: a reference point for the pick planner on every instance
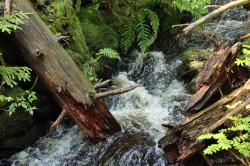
(159, 99)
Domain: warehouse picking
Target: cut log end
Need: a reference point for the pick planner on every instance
(95, 120)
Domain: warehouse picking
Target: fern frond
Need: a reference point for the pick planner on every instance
(212, 149)
(154, 21)
(128, 36)
(12, 22)
(147, 33)
(5, 98)
(11, 74)
(109, 53)
(196, 7)
(144, 37)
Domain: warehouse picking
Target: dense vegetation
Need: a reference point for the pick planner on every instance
(98, 34)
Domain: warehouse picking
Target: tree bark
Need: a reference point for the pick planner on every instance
(58, 71)
(216, 71)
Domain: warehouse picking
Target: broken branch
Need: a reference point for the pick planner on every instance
(215, 13)
(104, 83)
(116, 91)
(247, 36)
(58, 120)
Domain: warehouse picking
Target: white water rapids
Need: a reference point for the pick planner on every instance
(140, 112)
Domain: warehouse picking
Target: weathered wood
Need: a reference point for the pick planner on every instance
(245, 37)
(214, 74)
(7, 7)
(184, 137)
(215, 13)
(102, 84)
(64, 79)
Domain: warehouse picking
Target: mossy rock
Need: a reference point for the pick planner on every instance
(66, 21)
(98, 32)
(13, 144)
(195, 58)
(15, 124)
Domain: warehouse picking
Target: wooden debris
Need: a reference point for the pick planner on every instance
(60, 118)
(102, 84)
(213, 75)
(184, 136)
(245, 37)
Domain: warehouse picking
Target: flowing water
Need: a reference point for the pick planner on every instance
(159, 99)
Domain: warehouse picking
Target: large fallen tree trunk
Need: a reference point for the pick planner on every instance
(180, 143)
(58, 71)
(216, 71)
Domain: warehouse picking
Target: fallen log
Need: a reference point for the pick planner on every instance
(214, 74)
(64, 79)
(98, 95)
(215, 13)
(184, 136)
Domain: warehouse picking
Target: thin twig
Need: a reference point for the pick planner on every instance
(187, 72)
(116, 91)
(34, 84)
(237, 157)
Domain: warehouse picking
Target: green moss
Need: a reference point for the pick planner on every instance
(195, 58)
(247, 42)
(66, 21)
(15, 124)
(23, 140)
(99, 34)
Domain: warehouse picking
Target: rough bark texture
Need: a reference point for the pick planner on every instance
(58, 71)
(183, 137)
(214, 74)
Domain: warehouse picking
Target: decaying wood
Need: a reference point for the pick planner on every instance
(245, 37)
(213, 75)
(58, 121)
(102, 94)
(215, 13)
(116, 91)
(7, 7)
(184, 137)
(64, 79)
